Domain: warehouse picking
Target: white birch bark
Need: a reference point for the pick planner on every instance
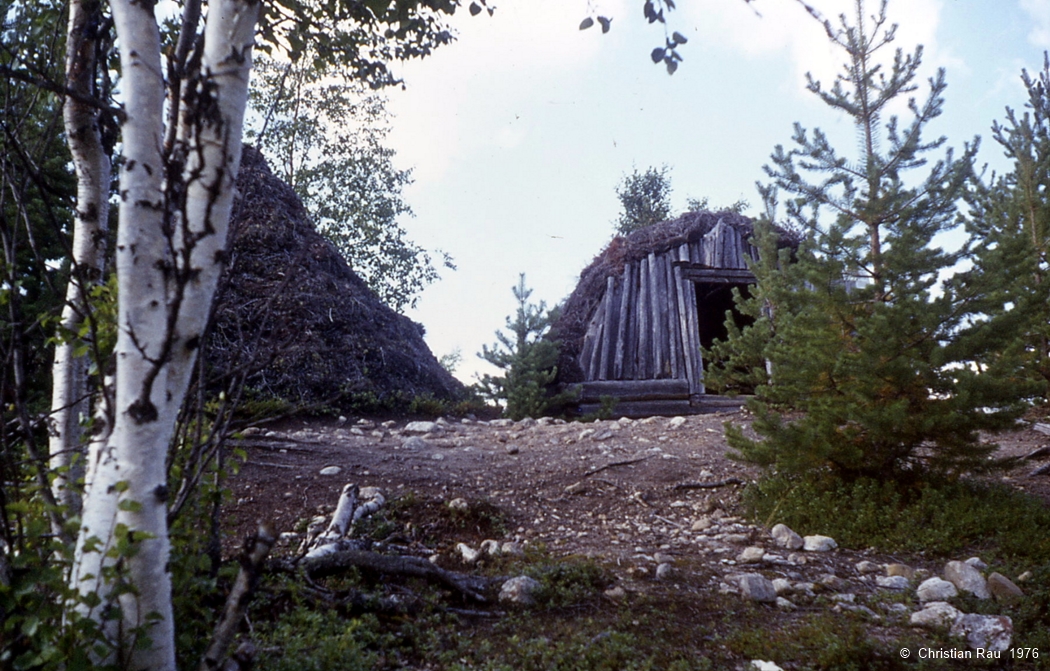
(69, 400)
(169, 256)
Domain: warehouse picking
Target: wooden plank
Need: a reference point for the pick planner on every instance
(591, 336)
(609, 329)
(717, 275)
(635, 390)
(663, 305)
(622, 320)
(683, 323)
(713, 403)
(657, 303)
(631, 363)
(642, 408)
(596, 332)
(673, 331)
(690, 328)
(644, 355)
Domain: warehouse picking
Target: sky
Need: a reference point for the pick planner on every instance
(519, 132)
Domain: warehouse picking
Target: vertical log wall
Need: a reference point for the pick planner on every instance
(646, 326)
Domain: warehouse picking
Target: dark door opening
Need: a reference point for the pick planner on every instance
(712, 301)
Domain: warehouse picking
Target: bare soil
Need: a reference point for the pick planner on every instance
(609, 489)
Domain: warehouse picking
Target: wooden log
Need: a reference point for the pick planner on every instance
(683, 324)
(609, 335)
(690, 328)
(595, 354)
(673, 329)
(644, 353)
(718, 275)
(642, 408)
(624, 318)
(657, 306)
(663, 334)
(634, 390)
(630, 364)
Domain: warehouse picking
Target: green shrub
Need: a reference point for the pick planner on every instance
(939, 518)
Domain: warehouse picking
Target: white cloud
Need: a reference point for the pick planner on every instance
(769, 28)
(499, 59)
(1039, 12)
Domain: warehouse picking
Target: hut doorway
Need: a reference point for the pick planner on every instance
(713, 299)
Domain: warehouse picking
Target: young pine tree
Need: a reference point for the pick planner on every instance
(1010, 224)
(528, 357)
(856, 356)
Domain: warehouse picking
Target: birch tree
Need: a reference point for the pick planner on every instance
(82, 118)
(180, 124)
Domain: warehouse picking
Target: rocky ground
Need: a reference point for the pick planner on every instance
(656, 499)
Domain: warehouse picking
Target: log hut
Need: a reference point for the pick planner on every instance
(635, 324)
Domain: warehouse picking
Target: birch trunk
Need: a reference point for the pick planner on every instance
(70, 398)
(173, 221)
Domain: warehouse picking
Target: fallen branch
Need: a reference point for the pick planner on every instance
(1043, 451)
(337, 562)
(625, 462)
(256, 548)
(707, 485)
(1042, 470)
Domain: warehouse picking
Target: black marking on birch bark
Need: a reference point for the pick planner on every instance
(130, 165)
(193, 343)
(161, 492)
(142, 411)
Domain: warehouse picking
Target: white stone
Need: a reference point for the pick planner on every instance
(459, 505)
(867, 567)
(512, 548)
(664, 571)
(985, 632)
(818, 543)
(751, 555)
(469, 554)
(490, 547)
(759, 665)
(898, 582)
(935, 615)
(977, 563)
(936, 589)
(782, 585)
(331, 470)
(786, 538)
(784, 604)
(676, 422)
(520, 591)
(702, 524)
(967, 579)
(422, 427)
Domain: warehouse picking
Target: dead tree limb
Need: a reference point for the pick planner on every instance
(256, 548)
(707, 485)
(625, 462)
(1039, 453)
(416, 567)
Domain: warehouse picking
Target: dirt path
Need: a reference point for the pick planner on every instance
(610, 488)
